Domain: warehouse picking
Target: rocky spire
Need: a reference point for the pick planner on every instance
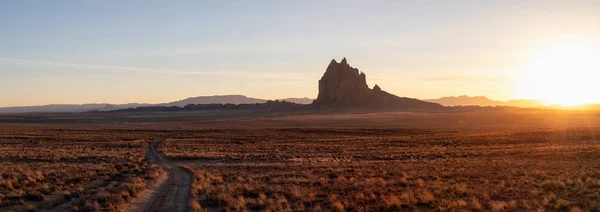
(342, 84)
(345, 86)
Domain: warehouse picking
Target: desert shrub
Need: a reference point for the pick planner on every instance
(46, 190)
(497, 206)
(553, 185)
(153, 173)
(424, 197)
(337, 206)
(195, 206)
(6, 185)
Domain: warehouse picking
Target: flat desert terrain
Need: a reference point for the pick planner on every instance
(223, 161)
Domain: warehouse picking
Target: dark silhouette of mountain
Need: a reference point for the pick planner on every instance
(218, 99)
(343, 86)
(230, 99)
(484, 101)
(76, 108)
(304, 101)
(268, 106)
(68, 108)
(465, 101)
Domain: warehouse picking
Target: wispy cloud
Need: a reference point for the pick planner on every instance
(105, 67)
(109, 68)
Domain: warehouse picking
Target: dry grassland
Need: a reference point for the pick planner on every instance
(391, 170)
(88, 170)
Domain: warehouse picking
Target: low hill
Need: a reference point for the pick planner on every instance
(68, 108)
(218, 99)
(200, 100)
(484, 101)
(230, 99)
(304, 101)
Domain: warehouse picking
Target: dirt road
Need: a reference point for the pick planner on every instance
(170, 195)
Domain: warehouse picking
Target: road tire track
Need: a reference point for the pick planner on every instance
(173, 193)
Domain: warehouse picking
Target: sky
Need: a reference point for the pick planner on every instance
(60, 52)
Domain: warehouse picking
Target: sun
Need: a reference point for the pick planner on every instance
(566, 73)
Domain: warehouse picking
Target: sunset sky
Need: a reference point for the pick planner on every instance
(56, 52)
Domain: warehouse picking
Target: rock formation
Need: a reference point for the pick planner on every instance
(343, 86)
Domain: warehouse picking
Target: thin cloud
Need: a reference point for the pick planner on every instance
(107, 68)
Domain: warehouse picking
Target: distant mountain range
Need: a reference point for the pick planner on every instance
(304, 100)
(74, 108)
(241, 99)
(219, 99)
(68, 108)
(230, 99)
(341, 88)
(484, 101)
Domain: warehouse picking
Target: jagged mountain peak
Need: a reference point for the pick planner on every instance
(345, 86)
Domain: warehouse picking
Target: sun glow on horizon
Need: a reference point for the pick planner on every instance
(565, 74)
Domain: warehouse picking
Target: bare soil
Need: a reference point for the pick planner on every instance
(171, 194)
